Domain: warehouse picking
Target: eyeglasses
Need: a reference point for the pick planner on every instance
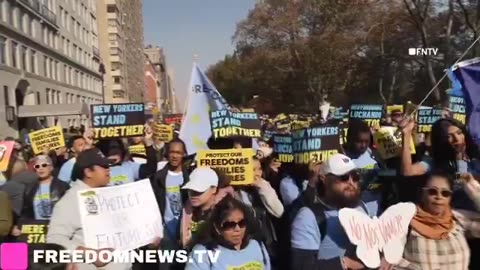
(230, 225)
(44, 165)
(344, 178)
(446, 193)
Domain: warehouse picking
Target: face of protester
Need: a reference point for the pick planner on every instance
(199, 199)
(115, 159)
(262, 144)
(436, 196)
(397, 118)
(17, 146)
(233, 228)
(344, 190)
(137, 140)
(78, 145)
(257, 169)
(43, 169)
(237, 145)
(175, 154)
(99, 175)
(362, 142)
(456, 138)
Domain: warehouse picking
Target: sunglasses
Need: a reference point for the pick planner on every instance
(230, 225)
(436, 192)
(344, 178)
(44, 165)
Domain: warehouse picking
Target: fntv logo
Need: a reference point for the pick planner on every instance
(423, 51)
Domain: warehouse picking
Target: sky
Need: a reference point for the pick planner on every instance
(188, 27)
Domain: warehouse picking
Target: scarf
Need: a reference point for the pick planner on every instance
(432, 227)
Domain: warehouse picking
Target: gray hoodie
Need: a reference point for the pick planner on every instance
(66, 227)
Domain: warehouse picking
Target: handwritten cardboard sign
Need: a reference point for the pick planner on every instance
(118, 120)
(47, 138)
(457, 108)
(226, 124)
(371, 114)
(315, 144)
(33, 231)
(163, 133)
(426, 117)
(122, 217)
(6, 149)
(170, 119)
(387, 234)
(282, 145)
(389, 142)
(236, 164)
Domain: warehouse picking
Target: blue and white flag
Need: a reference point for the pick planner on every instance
(203, 97)
(456, 89)
(468, 74)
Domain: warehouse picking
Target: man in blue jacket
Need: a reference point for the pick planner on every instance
(318, 239)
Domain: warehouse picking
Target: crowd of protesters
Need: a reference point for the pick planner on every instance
(286, 219)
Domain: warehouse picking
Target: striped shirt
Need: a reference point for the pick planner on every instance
(452, 253)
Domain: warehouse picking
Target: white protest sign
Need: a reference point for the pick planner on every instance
(387, 233)
(121, 217)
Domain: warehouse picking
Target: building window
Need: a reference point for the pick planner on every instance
(25, 23)
(53, 69)
(14, 54)
(72, 82)
(75, 27)
(57, 69)
(32, 28)
(48, 96)
(6, 98)
(55, 41)
(2, 9)
(23, 55)
(46, 67)
(112, 37)
(33, 61)
(116, 79)
(45, 34)
(3, 50)
(50, 38)
(38, 98)
(59, 97)
(9, 14)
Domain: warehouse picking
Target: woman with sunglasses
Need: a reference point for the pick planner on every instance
(230, 231)
(41, 199)
(437, 233)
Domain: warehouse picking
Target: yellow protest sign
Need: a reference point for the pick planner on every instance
(162, 132)
(389, 142)
(298, 124)
(47, 138)
(33, 231)
(391, 108)
(137, 150)
(236, 164)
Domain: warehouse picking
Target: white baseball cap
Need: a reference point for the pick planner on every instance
(201, 179)
(338, 165)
